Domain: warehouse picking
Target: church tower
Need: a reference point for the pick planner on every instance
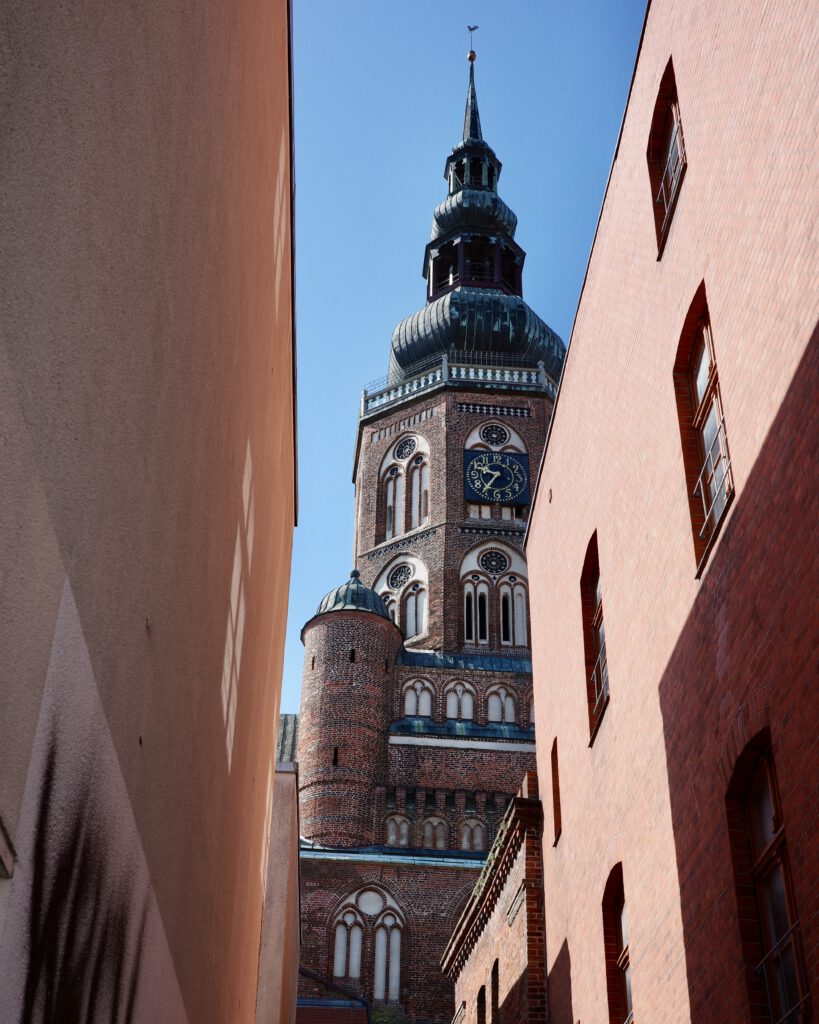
(416, 724)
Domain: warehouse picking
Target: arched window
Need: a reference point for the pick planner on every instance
(500, 706)
(415, 617)
(349, 932)
(615, 936)
(472, 836)
(483, 613)
(394, 502)
(435, 837)
(418, 699)
(495, 600)
(769, 921)
(402, 585)
(460, 702)
(513, 612)
(397, 831)
(369, 920)
(419, 491)
(387, 967)
(469, 612)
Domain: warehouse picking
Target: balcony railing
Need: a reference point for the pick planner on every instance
(476, 369)
(600, 682)
(715, 483)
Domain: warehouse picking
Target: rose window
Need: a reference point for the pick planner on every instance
(399, 576)
(405, 448)
(494, 434)
(494, 562)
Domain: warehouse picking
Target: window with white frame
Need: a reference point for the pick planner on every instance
(500, 706)
(418, 699)
(472, 835)
(460, 702)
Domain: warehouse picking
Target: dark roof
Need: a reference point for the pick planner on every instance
(473, 208)
(417, 726)
(466, 662)
(287, 738)
(478, 319)
(472, 119)
(353, 596)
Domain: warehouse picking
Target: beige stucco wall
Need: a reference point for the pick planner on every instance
(279, 960)
(147, 498)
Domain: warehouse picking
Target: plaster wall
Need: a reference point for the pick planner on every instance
(650, 791)
(279, 960)
(147, 458)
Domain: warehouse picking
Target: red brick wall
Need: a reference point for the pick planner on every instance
(696, 666)
(345, 712)
(432, 899)
(442, 542)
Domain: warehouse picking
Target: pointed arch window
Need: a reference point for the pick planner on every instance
(369, 923)
(419, 492)
(615, 935)
(769, 923)
(460, 703)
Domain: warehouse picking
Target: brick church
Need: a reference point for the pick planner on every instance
(416, 725)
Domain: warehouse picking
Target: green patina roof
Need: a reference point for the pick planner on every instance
(353, 596)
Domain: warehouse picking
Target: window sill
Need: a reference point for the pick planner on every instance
(596, 727)
(712, 540)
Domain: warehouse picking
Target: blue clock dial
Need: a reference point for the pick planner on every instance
(496, 477)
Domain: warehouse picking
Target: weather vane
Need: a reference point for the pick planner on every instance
(471, 29)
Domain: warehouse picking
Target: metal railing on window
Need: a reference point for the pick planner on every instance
(773, 962)
(672, 172)
(714, 483)
(600, 682)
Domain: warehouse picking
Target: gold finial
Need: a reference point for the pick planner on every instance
(471, 55)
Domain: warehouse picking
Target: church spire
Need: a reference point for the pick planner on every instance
(472, 119)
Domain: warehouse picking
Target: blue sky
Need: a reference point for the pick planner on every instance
(380, 88)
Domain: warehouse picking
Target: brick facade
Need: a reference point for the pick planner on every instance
(496, 951)
(417, 719)
(710, 648)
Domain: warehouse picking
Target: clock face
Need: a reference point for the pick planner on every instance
(496, 477)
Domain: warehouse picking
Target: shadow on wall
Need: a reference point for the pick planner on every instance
(83, 941)
(515, 1005)
(86, 929)
(560, 988)
(746, 660)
